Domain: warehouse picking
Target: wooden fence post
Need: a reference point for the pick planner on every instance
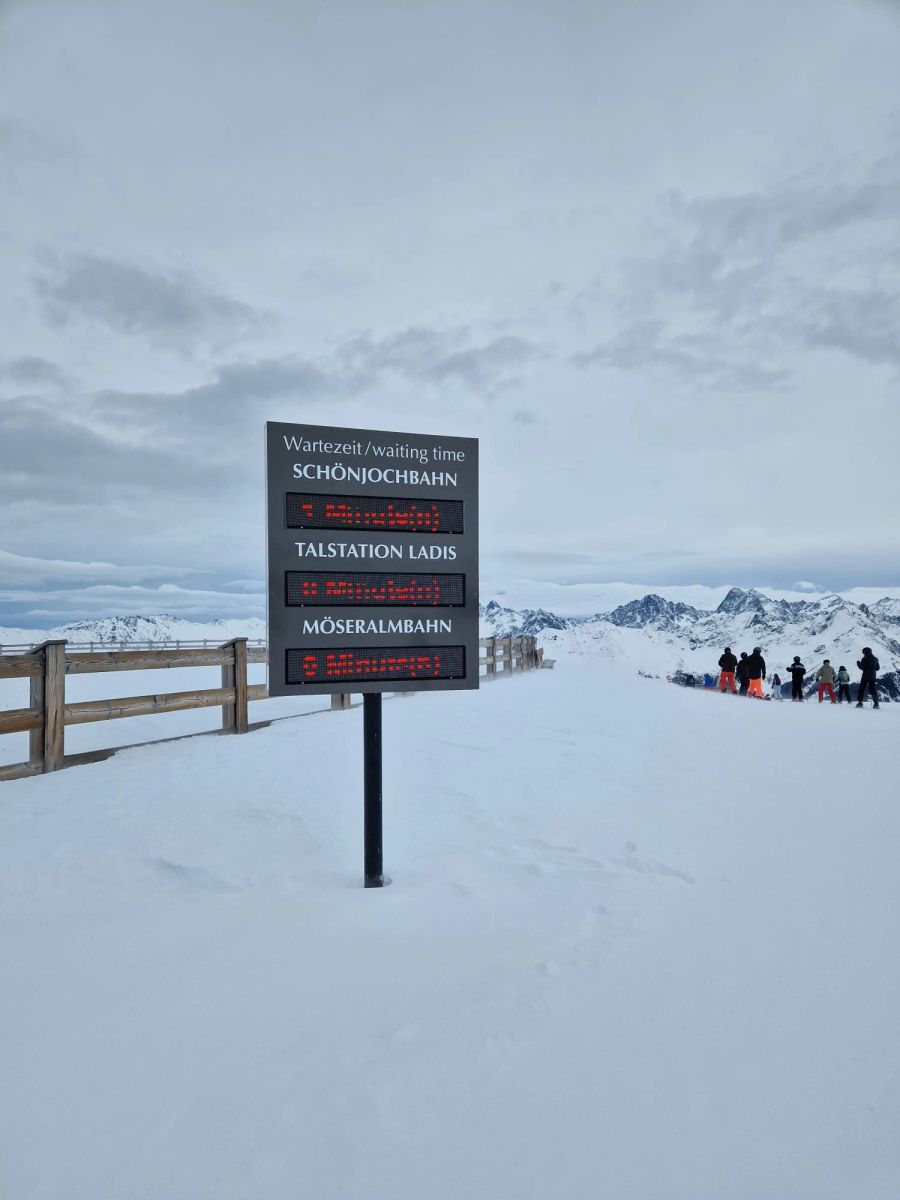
(340, 700)
(492, 659)
(234, 675)
(47, 745)
(36, 700)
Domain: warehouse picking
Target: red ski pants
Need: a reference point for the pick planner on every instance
(824, 687)
(755, 688)
(726, 680)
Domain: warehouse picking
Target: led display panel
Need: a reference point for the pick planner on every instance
(378, 664)
(397, 590)
(384, 514)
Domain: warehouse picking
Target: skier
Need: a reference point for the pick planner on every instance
(825, 678)
(776, 687)
(796, 671)
(756, 672)
(727, 664)
(870, 666)
(843, 679)
(740, 672)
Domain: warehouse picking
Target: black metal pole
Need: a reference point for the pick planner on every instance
(374, 850)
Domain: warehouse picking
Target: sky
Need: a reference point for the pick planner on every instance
(647, 252)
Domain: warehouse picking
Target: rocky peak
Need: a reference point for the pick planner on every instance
(739, 600)
(652, 611)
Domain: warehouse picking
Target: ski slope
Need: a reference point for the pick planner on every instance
(641, 943)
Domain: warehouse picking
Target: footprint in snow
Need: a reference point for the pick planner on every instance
(192, 878)
(631, 862)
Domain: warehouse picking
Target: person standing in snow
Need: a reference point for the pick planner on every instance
(796, 671)
(825, 678)
(869, 665)
(740, 672)
(776, 687)
(727, 664)
(756, 672)
(843, 680)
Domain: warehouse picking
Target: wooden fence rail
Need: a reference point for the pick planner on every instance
(46, 667)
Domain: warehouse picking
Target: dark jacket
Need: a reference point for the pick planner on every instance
(797, 671)
(728, 662)
(869, 665)
(756, 667)
(741, 670)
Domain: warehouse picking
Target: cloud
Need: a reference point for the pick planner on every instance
(57, 460)
(862, 322)
(438, 356)
(29, 370)
(645, 345)
(739, 284)
(765, 223)
(239, 391)
(172, 309)
(237, 396)
(18, 570)
(119, 463)
(103, 600)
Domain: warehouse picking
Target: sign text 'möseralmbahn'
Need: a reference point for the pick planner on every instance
(372, 560)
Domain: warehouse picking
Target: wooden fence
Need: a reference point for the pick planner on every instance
(46, 667)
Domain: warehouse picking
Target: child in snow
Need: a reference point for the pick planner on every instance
(776, 687)
(843, 679)
(742, 673)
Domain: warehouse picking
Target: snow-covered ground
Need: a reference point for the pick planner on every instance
(641, 943)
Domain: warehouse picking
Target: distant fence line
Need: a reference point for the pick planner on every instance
(47, 665)
(115, 644)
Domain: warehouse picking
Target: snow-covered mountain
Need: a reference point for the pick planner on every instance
(161, 627)
(659, 636)
(508, 622)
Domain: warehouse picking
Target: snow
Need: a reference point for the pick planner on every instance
(640, 943)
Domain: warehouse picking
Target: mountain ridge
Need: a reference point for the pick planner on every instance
(652, 635)
(658, 636)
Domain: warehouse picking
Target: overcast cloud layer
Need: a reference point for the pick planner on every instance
(649, 253)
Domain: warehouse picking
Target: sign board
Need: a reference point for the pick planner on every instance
(372, 560)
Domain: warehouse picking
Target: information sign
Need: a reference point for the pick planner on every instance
(372, 560)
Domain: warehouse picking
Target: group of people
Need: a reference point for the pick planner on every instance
(745, 676)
